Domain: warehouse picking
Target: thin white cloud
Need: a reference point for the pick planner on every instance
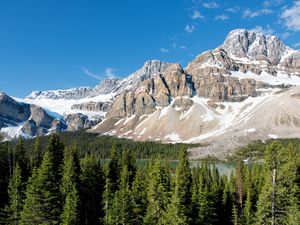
(163, 50)
(291, 17)
(222, 17)
(248, 13)
(183, 47)
(285, 35)
(91, 74)
(233, 9)
(190, 28)
(197, 15)
(210, 5)
(269, 3)
(109, 72)
(264, 30)
(297, 45)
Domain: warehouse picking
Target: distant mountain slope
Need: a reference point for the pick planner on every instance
(245, 89)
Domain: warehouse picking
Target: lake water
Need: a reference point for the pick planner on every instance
(224, 168)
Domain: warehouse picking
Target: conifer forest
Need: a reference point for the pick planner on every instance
(78, 179)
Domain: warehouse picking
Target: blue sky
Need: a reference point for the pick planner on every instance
(58, 44)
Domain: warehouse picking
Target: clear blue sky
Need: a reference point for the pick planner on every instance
(58, 44)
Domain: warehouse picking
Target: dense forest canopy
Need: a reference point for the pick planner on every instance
(62, 180)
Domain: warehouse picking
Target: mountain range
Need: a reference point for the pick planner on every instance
(246, 89)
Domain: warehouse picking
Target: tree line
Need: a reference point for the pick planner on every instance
(56, 186)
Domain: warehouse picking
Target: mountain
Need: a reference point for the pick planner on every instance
(245, 89)
(20, 119)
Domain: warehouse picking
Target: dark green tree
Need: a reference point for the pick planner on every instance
(42, 203)
(70, 186)
(184, 182)
(121, 210)
(175, 213)
(92, 185)
(16, 195)
(157, 194)
(139, 198)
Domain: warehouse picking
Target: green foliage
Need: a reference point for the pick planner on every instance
(158, 193)
(42, 202)
(121, 211)
(92, 185)
(72, 186)
(69, 187)
(16, 196)
(139, 198)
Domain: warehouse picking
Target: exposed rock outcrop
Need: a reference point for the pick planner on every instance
(79, 121)
(93, 106)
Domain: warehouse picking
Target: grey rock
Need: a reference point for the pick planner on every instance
(78, 121)
(74, 93)
(93, 106)
(105, 87)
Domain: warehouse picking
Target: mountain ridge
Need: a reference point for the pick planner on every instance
(199, 103)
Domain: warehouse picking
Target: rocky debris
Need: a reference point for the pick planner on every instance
(182, 103)
(93, 106)
(78, 121)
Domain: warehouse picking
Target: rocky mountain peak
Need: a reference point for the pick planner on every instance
(105, 87)
(253, 45)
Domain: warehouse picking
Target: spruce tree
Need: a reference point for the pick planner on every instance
(184, 182)
(175, 213)
(69, 187)
(157, 194)
(36, 155)
(20, 157)
(121, 210)
(42, 204)
(139, 198)
(15, 195)
(114, 169)
(56, 148)
(92, 185)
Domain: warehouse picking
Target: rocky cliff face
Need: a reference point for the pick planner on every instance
(157, 91)
(79, 121)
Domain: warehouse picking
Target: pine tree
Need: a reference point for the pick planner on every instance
(92, 184)
(121, 210)
(114, 170)
(36, 155)
(128, 159)
(16, 195)
(184, 182)
(139, 198)
(69, 187)
(42, 203)
(280, 193)
(235, 215)
(247, 211)
(175, 213)
(21, 159)
(157, 193)
(56, 148)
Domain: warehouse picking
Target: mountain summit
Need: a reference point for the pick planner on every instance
(245, 89)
